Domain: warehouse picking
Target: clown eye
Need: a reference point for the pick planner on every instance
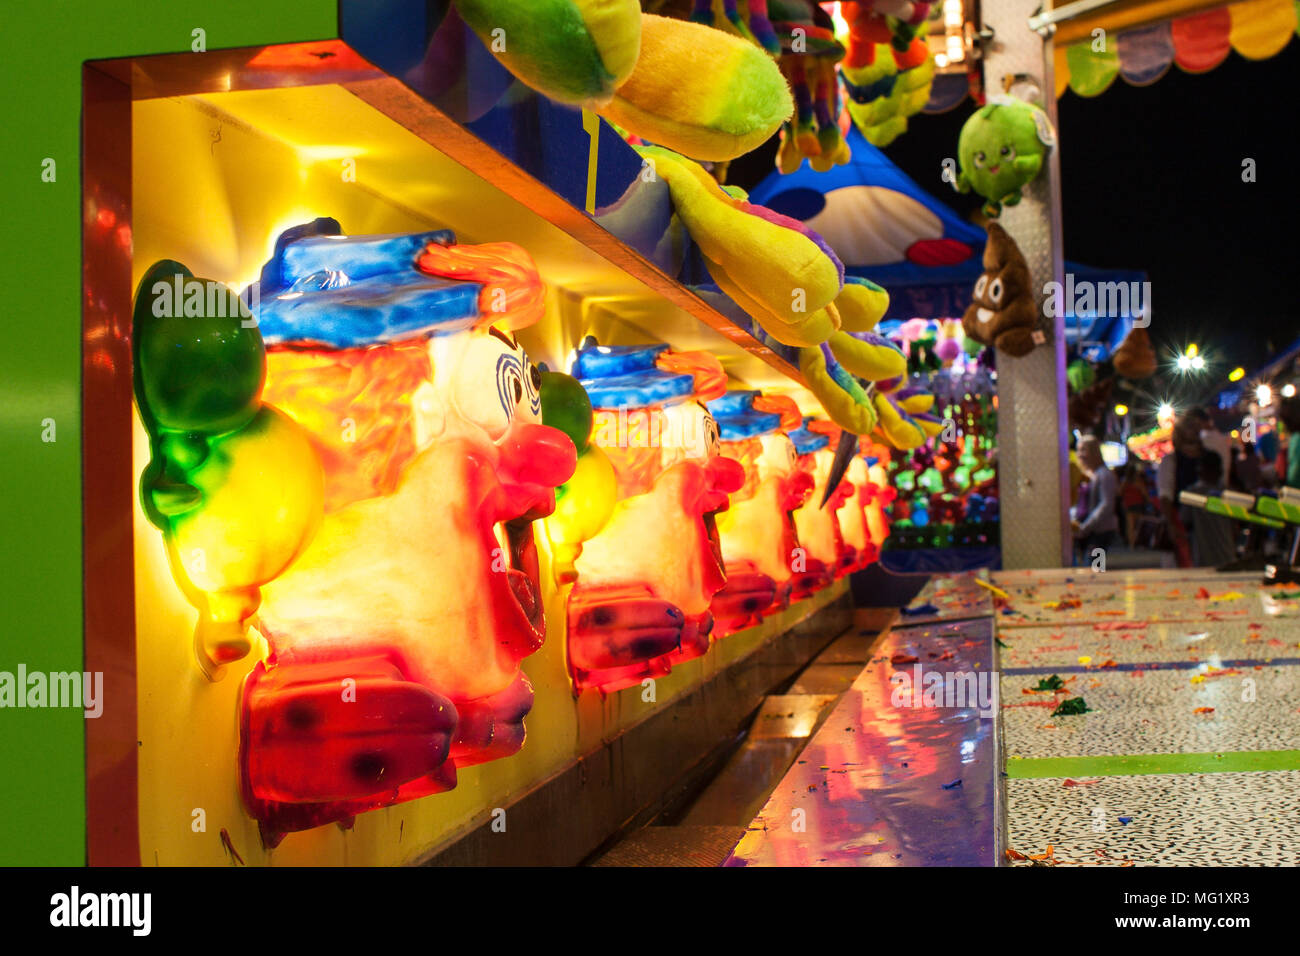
(493, 382)
(1008, 152)
(995, 292)
(979, 159)
(534, 390)
(519, 386)
(981, 285)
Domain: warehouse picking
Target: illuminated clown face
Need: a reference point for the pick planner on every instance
(645, 579)
(852, 515)
(876, 494)
(820, 539)
(396, 633)
(758, 534)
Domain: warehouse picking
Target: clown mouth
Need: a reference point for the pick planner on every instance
(715, 540)
(523, 575)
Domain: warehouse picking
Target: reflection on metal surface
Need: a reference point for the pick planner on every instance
(688, 845)
(825, 679)
(954, 597)
(886, 784)
(789, 716)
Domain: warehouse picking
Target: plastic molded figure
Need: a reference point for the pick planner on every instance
(854, 547)
(409, 419)
(1001, 150)
(758, 533)
(820, 540)
(646, 576)
(852, 516)
(233, 483)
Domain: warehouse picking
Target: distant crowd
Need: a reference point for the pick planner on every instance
(1139, 507)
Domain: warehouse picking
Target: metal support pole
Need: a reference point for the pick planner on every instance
(1033, 459)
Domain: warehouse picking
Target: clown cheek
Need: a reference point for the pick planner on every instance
(755, 534)
(389, 574)
(656, 540)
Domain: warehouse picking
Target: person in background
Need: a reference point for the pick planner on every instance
(1266, 442)
(1250, 474)
(1211, 438)
(1179, 470)
(1098, 527)
(1214, 537)
(1133, 496)
(1288, 413)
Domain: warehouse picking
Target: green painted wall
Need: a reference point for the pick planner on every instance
(42, 778)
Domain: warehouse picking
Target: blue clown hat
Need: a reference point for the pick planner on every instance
(626, 376)
(323, 288)
(738, 419)
(806, 441)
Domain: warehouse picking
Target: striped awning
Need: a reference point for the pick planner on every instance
(1196, 43)
(1142, 39)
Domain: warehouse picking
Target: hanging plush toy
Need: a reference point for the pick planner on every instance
(1080, 374)
(810, 54)
(800, 35)
(1001, 149)
(1135, 358)
(755, 26)
(779, 271)
(949, 346)
(1002, 312)
(757, 257)
(835, 371)
(888, 70)
(701, 92)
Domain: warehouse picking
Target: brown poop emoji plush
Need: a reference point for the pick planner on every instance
(1003, 312)
(1135, 358)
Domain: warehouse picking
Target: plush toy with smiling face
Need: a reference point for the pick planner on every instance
(1002, 148)
(1002, 312)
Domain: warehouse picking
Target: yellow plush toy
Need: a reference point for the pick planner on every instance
(574, 51)
(775, 268)
(846, 402)
(883, 94)
(836, 369)
(862, 304)
(701, 92)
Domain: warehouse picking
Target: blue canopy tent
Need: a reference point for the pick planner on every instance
(886, 228)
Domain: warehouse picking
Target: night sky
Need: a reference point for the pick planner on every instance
(1151, 180)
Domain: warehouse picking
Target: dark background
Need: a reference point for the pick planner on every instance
(1151, 180)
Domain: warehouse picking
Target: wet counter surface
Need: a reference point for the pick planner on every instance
(904, 770)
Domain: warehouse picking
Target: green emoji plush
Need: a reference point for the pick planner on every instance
(1001, 149)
